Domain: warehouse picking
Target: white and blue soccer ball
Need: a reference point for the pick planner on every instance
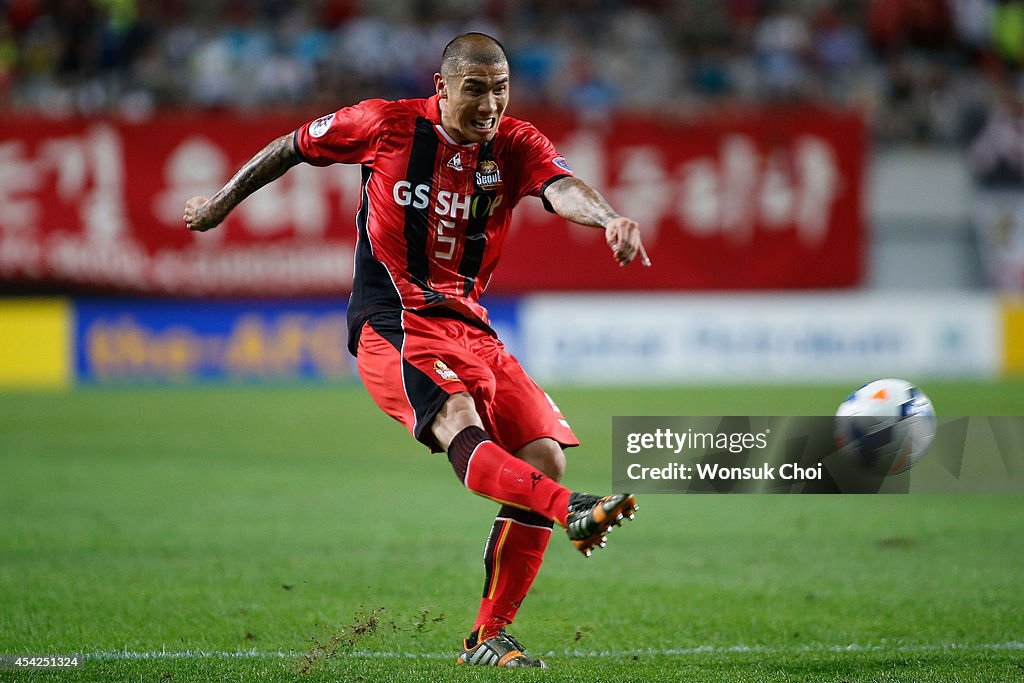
(885, 426)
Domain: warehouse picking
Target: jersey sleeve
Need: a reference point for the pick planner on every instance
(347, 136)
(539, 163)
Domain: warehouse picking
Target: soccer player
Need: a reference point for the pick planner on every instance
(440, 177)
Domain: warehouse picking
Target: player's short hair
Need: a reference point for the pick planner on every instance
(471, 49)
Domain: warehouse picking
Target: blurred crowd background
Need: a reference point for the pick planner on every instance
(922, 71)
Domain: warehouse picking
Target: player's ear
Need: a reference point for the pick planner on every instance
(440, 86)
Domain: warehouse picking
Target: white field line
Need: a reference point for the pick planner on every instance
(583, 654)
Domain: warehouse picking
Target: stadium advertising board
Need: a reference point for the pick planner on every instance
(1013, 335)
(769, 200)
(584, 339)
(119, 341)
(716, 338)
(35, 343)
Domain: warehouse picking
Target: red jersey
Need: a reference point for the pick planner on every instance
(433, 213)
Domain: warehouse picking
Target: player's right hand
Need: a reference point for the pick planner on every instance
(197, 216)
(623, 237)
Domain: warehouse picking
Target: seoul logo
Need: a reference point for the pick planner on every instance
(488, 176)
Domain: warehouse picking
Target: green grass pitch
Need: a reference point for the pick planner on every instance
(297, 534)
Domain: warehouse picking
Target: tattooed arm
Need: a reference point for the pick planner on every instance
(574, 200)
(269, 164)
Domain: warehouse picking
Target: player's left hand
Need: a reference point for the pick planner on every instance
(623, 237)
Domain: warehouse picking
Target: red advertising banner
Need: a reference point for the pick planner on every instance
(751, 201)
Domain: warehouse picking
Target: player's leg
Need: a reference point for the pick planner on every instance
(515, 548)
(406, 364)
(546, 455)
(488, 470)
(522, 414)
(421, 372)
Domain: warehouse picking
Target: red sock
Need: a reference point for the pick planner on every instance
(514, 553)
(490, 471)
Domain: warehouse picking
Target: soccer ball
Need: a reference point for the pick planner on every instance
(885, 426)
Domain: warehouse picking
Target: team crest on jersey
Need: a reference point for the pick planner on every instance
(445, 372)
(488, 176)
(320, 126)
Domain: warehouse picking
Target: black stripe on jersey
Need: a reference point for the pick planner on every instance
(422, 161)
(372, 287)
(422, 391)
(476, 236)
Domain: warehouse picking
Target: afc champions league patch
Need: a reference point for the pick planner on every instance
(320, 126)
(561, 163)
(488, 176)
(445, 372)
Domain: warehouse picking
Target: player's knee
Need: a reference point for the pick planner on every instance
(458, 412)
(546, 455)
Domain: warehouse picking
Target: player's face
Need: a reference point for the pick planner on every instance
(473, 102)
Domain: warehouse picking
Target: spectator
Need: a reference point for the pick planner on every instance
(905, 62)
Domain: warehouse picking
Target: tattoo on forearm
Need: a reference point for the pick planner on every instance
(576, 201)
(269, 164)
